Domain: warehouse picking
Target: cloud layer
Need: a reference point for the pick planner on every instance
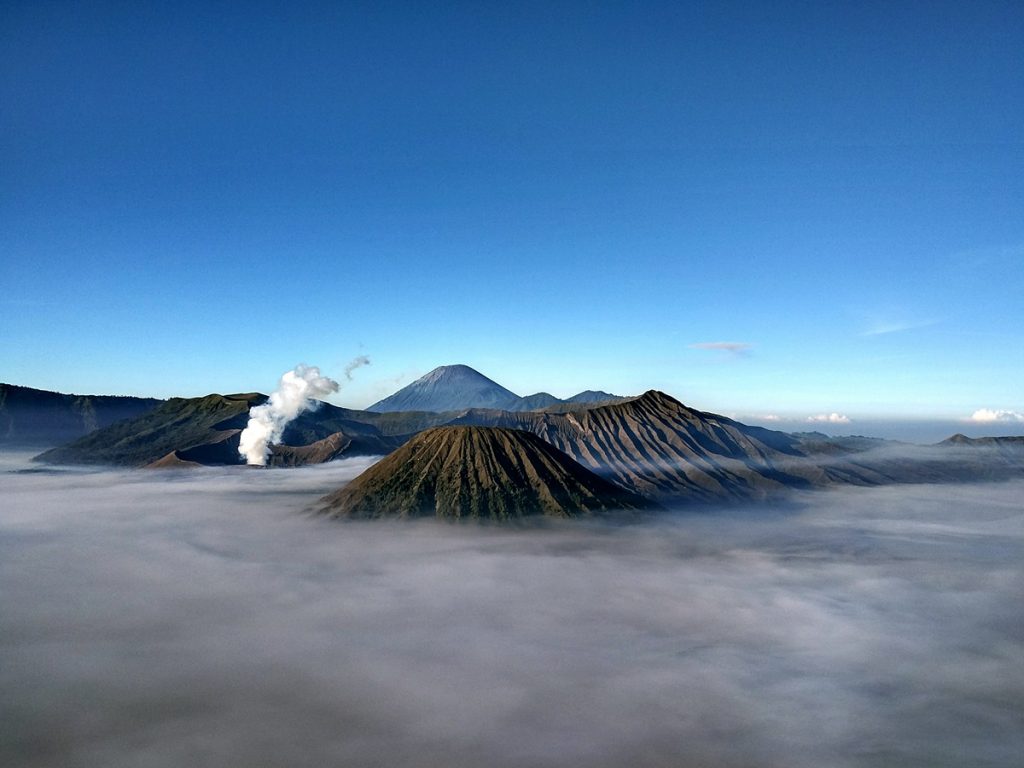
(164, 619)
(830, 418)
(884, 327)
(986, 415)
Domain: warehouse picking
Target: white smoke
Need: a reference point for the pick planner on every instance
(296, 393)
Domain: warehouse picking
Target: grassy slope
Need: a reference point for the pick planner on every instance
(178, 423)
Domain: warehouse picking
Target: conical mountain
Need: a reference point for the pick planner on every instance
(449, 388)
(477, 473)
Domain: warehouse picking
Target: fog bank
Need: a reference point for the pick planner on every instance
(199, 618)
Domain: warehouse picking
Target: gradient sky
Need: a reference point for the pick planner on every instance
(196, 197)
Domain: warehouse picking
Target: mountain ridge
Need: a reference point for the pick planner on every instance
(459, 387)
(39, 417)
(651, 445)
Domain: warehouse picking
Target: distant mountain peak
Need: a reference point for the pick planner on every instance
(593, 396)
(654, 398)
(459, 387)
(456, 369)
(450, 372)
(448, 388)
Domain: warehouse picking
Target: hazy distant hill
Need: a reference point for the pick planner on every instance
(37, 417)
(535, 402)
(477, 473)
(1010, 445)
(458, 387)
(592, 396)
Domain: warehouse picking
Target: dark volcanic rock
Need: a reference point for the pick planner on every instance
(221, 449)
(330, 448)
(480, 473)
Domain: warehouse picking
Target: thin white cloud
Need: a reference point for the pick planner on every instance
(770, 417)
(732, 347)
(829, 418)
(988, 415)
(882, 328)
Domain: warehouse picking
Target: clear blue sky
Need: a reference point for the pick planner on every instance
(196, 197)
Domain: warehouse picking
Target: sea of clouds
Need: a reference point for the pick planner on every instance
(152, 619)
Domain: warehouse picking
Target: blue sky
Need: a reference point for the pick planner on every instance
(195, 198)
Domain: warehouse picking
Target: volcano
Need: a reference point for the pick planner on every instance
(449, 388)
(477, 473)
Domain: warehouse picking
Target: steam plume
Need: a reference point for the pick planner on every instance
(356, 362)
(296, 392)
